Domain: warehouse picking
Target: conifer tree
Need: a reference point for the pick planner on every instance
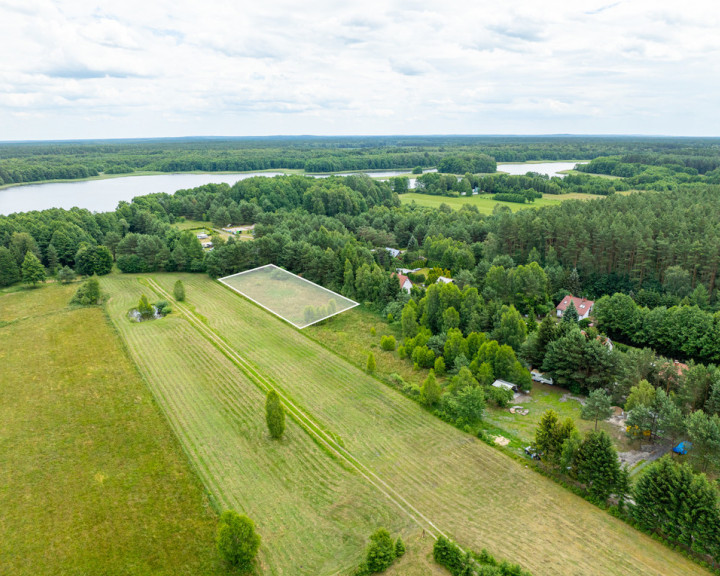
(179, 291)
(274, 415)
(9, 272)
(371, 365)
(597, 465)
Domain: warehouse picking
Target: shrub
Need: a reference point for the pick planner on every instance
(371, 365)
(388, 343)
(381, 552)
(88, 293)
(237, 542)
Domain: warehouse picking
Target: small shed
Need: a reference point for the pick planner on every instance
(507, 385)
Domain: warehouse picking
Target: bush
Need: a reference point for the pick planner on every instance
(371, 365)
(237, 542)
(66, 275)
(399, 547)
(88, 293)
(388, 343)
(380, 553)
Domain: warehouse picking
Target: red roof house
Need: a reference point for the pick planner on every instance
(583, 306)
(405, 283)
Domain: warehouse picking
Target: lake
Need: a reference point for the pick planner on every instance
(549, 168)
(104, 195)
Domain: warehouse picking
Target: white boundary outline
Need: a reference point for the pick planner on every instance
(296, 276)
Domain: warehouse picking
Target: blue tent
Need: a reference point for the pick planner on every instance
(683, 448)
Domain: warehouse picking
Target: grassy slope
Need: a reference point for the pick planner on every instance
(478, 495)
(485, 204)
(313, 515)
(92, 480)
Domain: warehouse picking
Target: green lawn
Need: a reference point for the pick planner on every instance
(469, 490)
(485, 204)
(92, 479)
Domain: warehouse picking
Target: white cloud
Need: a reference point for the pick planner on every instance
(71, 69)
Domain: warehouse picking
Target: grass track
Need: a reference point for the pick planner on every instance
(478, 495)
(314, 515)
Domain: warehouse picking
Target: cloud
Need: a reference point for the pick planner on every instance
(180, 67)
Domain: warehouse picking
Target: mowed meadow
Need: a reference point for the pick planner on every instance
(313, 515)
(314, 512)
(485, 202)
(92, 478)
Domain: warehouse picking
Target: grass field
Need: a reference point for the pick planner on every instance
(92, 479)
(290, 297)
(468, 490)
(485, 204)
(314, 516)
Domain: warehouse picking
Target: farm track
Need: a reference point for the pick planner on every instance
(305, 421)
(477, 495)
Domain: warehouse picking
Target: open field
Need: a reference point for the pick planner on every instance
(314, 516)
(468, 490)
(288, 296)
(485, 204)
(92, 479)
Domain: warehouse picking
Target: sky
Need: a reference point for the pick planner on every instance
(73, 69)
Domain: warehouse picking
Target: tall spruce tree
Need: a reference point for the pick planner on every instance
(597, 465)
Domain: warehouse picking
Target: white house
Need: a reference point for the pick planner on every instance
(394, 252)
(583, 306)
(405, 283)
(444, 280)
(202, 236)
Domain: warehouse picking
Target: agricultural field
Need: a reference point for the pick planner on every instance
(485, 204)
(288, 296)
(313, 515)
(92, 479)
(445, 479)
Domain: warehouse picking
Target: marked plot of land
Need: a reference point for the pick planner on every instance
(288, 296)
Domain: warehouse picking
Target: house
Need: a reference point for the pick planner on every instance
(540, 377)
(405, 283)
(394, 252)
(507, 385)
(444, 280)
(202, 236)
(207, 245)
(583, 306)
(407, 270)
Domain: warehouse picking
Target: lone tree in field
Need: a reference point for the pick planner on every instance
(66, 275)
(597, 407)
(371, 366)
(237, 540)
(32, 269)
(88, 293)
(179, 291)
(274, 414)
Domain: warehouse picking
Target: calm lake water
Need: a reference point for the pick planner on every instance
(549, 168)
(104, 195)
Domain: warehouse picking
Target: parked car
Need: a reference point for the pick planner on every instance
(539, 377)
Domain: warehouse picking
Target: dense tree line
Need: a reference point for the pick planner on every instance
(32, 162)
